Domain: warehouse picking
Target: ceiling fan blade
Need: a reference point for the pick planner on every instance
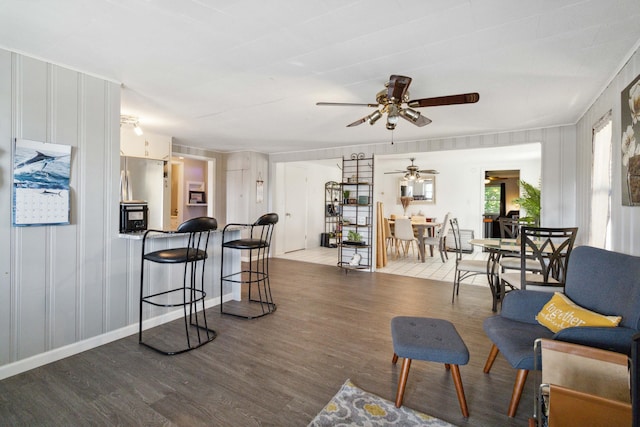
(464, 98)
(395, 172)
(345, 104)
(357, 122)
(429, 171)
(398, 86)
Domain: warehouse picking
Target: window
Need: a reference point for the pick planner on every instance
(600, 224)
(493, 199)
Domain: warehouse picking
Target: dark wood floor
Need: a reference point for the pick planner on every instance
(279, 370)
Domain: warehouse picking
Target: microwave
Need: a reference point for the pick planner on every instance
(133, 216)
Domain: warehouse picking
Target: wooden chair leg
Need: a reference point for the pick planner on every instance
(395, 359)
(457, 380)
(402, 382)
(492, 357)
(518, 387)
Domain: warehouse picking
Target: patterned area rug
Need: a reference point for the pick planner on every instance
(352, 406)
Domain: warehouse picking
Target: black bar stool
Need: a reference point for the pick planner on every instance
(258, 244)
(190, 292)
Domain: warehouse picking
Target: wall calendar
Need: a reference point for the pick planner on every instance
(41, 174)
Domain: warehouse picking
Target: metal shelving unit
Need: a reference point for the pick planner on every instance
(332, 209)
(356, 237)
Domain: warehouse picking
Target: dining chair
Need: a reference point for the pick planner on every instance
(465, 268)
(418, 218)
(403, 233)
(510, 229)
(390, 239)
(549, 249)
(439, 239)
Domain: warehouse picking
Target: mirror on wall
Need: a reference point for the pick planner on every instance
(423, 190)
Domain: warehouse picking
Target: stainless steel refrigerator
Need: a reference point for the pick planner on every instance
(146, 180)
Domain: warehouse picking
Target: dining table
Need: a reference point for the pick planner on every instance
(421, 230)
(496, 248)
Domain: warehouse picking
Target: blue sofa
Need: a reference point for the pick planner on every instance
(602, 281)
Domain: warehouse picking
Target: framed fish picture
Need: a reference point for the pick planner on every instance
(41, 174)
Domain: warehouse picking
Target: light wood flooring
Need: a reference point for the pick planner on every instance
(279, 370)
(410, 265)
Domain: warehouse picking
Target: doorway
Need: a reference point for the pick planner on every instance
(185, 173)
(177, 197)
(501, 188)
(295, 219)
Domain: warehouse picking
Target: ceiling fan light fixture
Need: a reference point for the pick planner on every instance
(137, 129)
(411, 176)
(374, 117)
(410, 114)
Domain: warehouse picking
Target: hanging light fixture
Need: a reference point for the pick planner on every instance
(133, 121)
(373, 117)
(410, 114)
(392, 117)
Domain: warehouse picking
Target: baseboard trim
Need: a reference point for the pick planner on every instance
(60, 353)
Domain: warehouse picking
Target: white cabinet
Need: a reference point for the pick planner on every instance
(148, 146)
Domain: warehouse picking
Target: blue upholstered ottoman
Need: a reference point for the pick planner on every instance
(433, 340)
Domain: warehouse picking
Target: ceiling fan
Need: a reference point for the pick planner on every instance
(394, 102)
(413, 172)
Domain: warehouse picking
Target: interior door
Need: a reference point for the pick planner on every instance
(295, 218)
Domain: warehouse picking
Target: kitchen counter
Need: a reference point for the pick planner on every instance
(139, 235)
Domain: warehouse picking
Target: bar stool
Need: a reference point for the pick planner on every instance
(257, 244)
(196, 231)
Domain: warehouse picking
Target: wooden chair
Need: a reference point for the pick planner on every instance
(390, 239)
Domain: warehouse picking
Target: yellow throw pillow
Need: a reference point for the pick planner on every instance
(560, 312)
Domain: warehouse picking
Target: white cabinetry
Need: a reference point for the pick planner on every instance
(148, 146)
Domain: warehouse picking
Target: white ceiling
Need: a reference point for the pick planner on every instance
(246, 74)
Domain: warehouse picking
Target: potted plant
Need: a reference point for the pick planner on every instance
(530, 202)
(345, 196)
(354, 237)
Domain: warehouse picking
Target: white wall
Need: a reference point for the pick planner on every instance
(460, 182)
(318, 173)
(68, 288)
(625, 220)
(558, 160)
(62, 284)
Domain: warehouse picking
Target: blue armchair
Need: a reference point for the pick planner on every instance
(602, 281)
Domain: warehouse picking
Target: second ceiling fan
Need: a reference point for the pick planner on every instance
(394, 102)
(413, 171)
